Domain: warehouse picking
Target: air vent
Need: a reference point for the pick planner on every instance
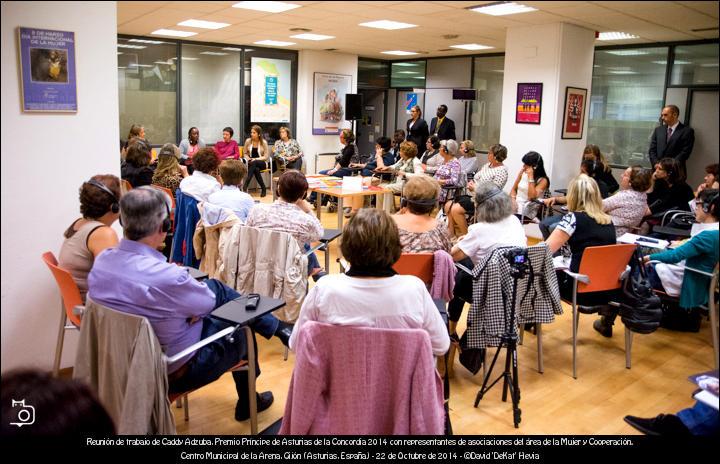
(300, 29)
(446, 50)
(331, 49)
(705, 29)
(450, 36)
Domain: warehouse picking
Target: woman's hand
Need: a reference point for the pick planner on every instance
(183, 170)
(646, 259)
(530, 171)
(549, 201)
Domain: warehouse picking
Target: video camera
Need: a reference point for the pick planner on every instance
(519, 262)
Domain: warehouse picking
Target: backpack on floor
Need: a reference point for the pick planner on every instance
(640, 308)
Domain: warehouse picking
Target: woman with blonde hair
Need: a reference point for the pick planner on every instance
(419, 231)
(169, 173)
(585, 225)
(468, 158)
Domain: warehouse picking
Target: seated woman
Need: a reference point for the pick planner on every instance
(169, 173)
(670, 191)
(382, 157)
(627, 207)
(449, 174)
(89, 235)
(202, 182)
(287, 150)
(419, 231)
(495, 225)
(699, 252)
(493, 171)
(136, 168)
(711, 178)
(227, 147)
(371, 244)
(530, 184)
(585, 225)
(233, 174)
(347, 155)
(602, 171)
(432, 148)
(191, 145)
(291, 213)
(256, 153)
(469, 162)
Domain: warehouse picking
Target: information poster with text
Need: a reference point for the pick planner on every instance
(270, 90)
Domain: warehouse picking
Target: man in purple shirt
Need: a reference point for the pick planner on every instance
(135, 278)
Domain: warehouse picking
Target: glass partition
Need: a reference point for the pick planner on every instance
(486, 111)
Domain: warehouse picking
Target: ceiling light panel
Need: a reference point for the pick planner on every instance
(312, 37)
(399, 53)
(269, 7)
(616, 36)
(502, 8)
(274, 43)
(173, 33)
(203, 24)
(471, 47)
(387, 25)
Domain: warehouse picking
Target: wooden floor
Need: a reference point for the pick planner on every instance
(552, 403)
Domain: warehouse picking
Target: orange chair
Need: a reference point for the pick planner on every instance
(169, 193)
(601, 269)
(418, 264)
(70, 300)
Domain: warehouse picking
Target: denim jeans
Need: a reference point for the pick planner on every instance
(548, 224)
(701, 419)
(313, 262)
(214, 359)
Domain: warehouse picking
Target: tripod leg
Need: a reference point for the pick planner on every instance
(516, 389)
(482, 390)
(506, 374)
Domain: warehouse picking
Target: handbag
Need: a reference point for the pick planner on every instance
(640, 308)
(471, 358)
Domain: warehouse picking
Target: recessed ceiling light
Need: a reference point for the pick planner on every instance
(627, 52)
(131, 46)
(214, 53)
(674, 62)
(471, 47)
(232, 49)
(203, 24)
(145, 41)
(616, 36)
(270, 7)
(389, 25)
(172, 33)
(502, 8)
(312, 37)
(399, 53)
(274, 43)
(419, 77)
(119, 53)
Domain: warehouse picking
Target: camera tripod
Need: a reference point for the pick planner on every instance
(518, 270)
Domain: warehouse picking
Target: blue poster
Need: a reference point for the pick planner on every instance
(271, 90)
(412, 100)
(47, 62)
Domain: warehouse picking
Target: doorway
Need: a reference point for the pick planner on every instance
(372, 124)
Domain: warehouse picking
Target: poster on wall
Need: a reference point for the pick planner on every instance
(47, 70)
(329, 102)
(574, 117)
(270, 90)
(529, 103)
(411, 101)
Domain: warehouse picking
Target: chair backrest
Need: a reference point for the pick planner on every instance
(363, 380)
(67, 286)
(417, 264)
(604, 265)
(169, 193)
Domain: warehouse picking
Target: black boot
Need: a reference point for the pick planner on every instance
(604, 326)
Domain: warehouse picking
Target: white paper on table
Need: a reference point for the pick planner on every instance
(708, 398)
(352, 184)
(638, 240)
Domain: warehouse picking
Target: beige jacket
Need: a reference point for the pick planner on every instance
(121, 359)
(211, 235)
(263, 150)
(267, 262)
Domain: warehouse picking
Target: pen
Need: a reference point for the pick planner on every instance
(643, 239)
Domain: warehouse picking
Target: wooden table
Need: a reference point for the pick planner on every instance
(341, 194)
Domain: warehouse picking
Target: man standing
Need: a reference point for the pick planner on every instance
(672, 139)
(442, 126)
(135, 278)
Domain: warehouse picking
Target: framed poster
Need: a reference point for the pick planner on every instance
(47, 70)
(270, 90)
(329, 102)
(529, 103)
(574, 116)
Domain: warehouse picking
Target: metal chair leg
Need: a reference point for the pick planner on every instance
(538, 334)
(186, 406)
(628, 346)
(576, 320)
(60, 340)
(251, 380)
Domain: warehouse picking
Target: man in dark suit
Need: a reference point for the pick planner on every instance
(672, 139)
(441, 126)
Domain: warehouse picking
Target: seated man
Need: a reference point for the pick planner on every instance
(135, 278)
(231, 196)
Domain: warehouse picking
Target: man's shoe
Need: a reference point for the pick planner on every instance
(604, 330)
(588, 309)
(663, 424)
(242, 409)
(283, 332)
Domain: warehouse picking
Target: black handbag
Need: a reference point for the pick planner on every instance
(640, 308)
(471, 358)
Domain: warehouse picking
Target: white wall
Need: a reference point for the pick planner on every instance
(310, 62)
(563, 58)
(46, 157)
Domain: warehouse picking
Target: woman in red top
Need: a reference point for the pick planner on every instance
(227, 148)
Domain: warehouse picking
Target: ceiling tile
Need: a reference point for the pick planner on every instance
(708, 8)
